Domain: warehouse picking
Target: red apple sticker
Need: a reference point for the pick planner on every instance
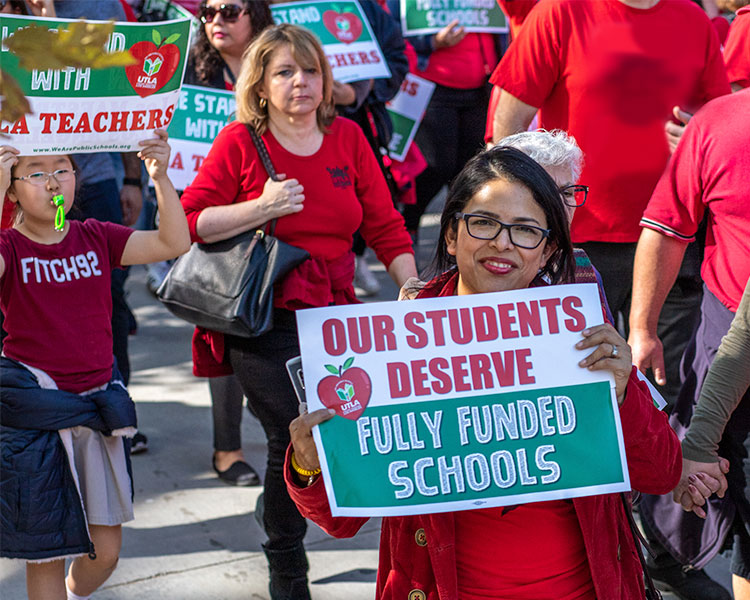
(347, 391)
(346, 27)
(157, 62)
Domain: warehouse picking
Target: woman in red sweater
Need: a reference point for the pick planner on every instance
(331, 186)
(504, 227)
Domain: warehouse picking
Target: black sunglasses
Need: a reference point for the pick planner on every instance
(229, 13)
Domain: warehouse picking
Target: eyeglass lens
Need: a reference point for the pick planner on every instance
(575, 195)
(524, 236)
(41, 177)
(229, 12)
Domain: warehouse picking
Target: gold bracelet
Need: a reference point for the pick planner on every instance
(310, 474)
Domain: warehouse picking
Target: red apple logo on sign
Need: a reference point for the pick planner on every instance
(346, 27)
(157, 62)
(347, 391)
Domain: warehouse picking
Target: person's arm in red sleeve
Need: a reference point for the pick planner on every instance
(312, 503)
(382, 226)
(714, 81)
(670, 221)
(737, 52)
(528, 71)
(651, 446)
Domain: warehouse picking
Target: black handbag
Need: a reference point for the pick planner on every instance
(227, 286)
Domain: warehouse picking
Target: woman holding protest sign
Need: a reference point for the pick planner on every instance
(328, 186)
(227, 28)
(503, 228)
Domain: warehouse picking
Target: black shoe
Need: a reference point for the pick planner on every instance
(139, 444)
(693, 584)
(288, 573)
(240, 473)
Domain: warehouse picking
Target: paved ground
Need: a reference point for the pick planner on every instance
(195, 538)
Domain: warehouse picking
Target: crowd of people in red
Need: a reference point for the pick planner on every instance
(615, 131)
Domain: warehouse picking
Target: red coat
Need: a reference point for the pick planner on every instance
(417, 553)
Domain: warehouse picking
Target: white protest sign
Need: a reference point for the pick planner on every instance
(347, 38)
(95, 110)
(461, 402)
(201, 113)
(406, 110)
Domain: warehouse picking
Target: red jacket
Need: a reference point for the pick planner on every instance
(407, 563)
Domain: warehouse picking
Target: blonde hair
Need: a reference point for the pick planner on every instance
(308, 53)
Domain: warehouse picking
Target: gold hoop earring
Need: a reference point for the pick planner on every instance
(262, 102)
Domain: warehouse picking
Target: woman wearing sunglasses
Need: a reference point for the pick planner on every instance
(504, 227)
(227, 28)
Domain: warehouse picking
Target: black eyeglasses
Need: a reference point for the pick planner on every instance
(482, 227)
(575, 195)
(229, 12)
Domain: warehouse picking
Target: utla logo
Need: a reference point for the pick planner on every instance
(157, 62)
(347, 390)
(346, 27)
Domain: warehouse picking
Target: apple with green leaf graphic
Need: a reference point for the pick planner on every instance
(346, 27)
(347, 390)
(157, 62)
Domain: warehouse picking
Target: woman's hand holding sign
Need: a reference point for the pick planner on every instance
(611, 353)
(305, 452)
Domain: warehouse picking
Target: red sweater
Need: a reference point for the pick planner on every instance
(407, 563)
(344, 191)
(343, 186)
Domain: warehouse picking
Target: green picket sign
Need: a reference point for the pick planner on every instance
(489, 450)
(430, 16)
(159, 48)
(333, 22)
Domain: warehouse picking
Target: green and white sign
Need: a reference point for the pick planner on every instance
(430, 16)
(406, 110)
(95, 110)
(201, 113)
(461, 402)
(346, 35)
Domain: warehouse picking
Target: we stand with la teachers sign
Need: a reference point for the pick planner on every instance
(461, 402)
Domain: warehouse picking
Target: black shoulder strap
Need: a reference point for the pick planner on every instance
(651, 592)
(260, 146)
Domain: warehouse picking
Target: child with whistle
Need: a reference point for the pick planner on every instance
(65, 488)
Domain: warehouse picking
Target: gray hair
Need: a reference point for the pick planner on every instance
(549, 148)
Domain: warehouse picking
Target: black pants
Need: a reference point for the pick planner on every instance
(226, 407)
(259, 364)
(451, 132)
(681, 311)
(101, 201)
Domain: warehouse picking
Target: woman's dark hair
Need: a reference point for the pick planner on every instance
(207, 60)
(514, 166)
(18, 7)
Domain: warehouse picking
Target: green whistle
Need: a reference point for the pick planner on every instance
(59, 202)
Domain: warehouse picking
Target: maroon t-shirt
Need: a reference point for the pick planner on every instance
(57, 302)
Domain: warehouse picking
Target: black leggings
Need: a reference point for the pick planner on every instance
(260, 366)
